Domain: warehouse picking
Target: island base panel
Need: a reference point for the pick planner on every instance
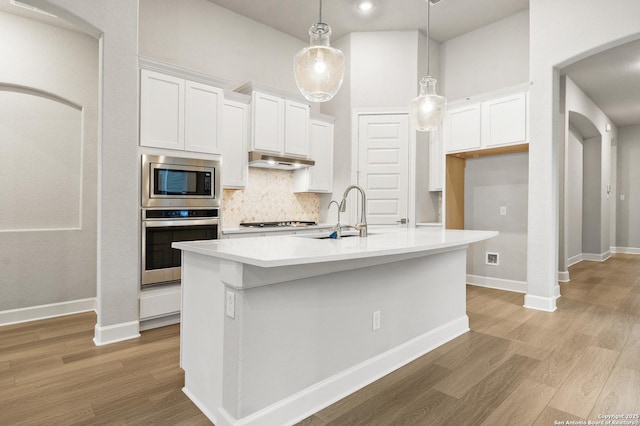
(297, 346)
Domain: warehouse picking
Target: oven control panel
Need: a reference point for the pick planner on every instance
(179, 213)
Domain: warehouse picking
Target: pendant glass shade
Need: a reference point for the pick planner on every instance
(427, 110)
(319, 68)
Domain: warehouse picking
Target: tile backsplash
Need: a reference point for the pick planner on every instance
(269, 197)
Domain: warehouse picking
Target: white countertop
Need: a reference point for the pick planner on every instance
(289, 250)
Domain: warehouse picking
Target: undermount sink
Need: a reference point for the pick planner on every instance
(326, 235)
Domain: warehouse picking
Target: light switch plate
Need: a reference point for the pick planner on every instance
(376, 321)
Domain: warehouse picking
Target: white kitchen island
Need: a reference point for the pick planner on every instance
(275, 328)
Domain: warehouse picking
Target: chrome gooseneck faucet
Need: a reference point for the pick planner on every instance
(362, 225)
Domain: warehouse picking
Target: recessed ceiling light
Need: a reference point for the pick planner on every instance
(365, 5)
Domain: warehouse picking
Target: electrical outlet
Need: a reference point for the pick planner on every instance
(231, 304)
(503, 210)
(621, 197)
(493, 258)
(376, 320)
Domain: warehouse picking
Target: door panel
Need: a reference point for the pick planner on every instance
(383, 169)
(203, 106)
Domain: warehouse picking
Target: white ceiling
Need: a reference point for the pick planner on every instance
(611, 78)
(449, 18)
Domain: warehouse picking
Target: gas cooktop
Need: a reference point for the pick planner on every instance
(294, 223)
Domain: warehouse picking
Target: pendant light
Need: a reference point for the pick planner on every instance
(319, 68)
(427, 110)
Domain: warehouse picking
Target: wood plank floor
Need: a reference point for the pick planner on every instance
(516, 367)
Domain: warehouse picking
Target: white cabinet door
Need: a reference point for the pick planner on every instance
(179, 114)
(463, 128)
(203, 107)
(504, 120)
(268, 123)
(318, 178)
(321, 150)
(161, 110)
(234, 137)
(296, 129)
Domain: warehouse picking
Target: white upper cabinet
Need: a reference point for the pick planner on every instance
(492, 123)
(161, 110)
(234, 140)
(280, 123)
(504, 120)
(296, 129)
(202, 112)
(268, 123)
(318, 178)
(176, 113)
(463, 128)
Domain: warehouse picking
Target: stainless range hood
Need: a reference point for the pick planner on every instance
(279, 162)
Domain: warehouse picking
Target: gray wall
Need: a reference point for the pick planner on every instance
(487, 59)
(468, 65)
(586, 211)
(591, 196)
(628, 210)
(490, 183)
(574, 195)
(202, 36)
(49, 264)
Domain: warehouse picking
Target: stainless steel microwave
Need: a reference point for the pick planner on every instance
(180, 182)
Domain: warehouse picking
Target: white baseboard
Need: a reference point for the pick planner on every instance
(546, 304)
(625, 250)
(563, 276)
(221, 419)
(497, 283)
(308, 401)
(596, 257)
(556, 291)
(148, 324)
(591, 257)
(116, 333)
(34, 313)
(574, 259)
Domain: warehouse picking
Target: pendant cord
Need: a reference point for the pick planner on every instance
(320, 14)
(428, 22)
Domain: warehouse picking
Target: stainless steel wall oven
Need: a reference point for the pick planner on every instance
(180, 202)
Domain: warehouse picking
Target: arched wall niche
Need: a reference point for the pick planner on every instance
(41, 168)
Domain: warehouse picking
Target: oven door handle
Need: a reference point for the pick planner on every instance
(154, 223)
